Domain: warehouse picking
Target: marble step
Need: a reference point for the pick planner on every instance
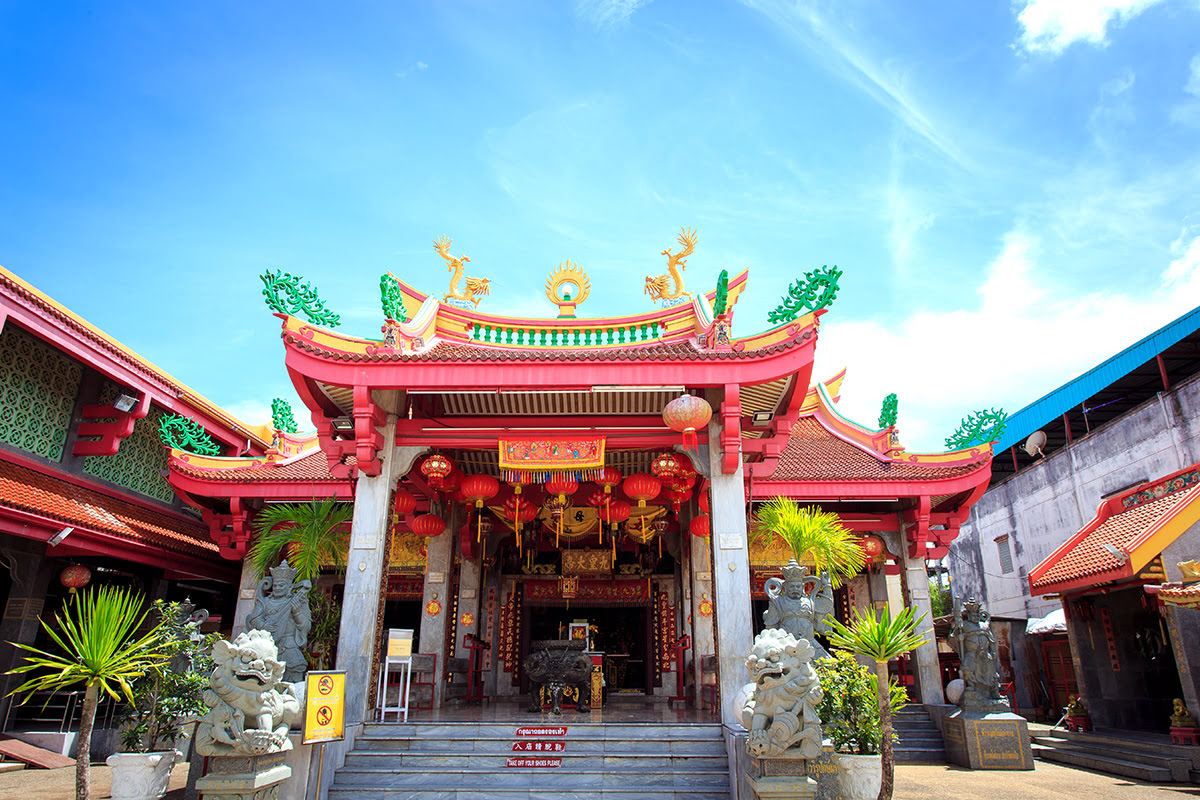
(644, 760)
(1103, 763)
(1127, 754)
(575, 730)
(456, 779)
(602, 793)
(934, 752)
(475, 744)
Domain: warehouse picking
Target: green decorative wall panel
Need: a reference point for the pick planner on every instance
(140, 463)
(38, 385)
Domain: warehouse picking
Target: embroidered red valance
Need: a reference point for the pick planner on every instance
(535, 459)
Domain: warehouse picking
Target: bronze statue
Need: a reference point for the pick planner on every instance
(972, 637)
(1182, 718)
(281, 609)
(557, 666)
(800, 604)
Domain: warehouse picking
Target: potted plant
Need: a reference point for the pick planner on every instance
(880, 639)
(163, 701)
(849, 711)
(96, 634)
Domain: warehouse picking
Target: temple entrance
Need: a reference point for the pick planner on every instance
(621, 633)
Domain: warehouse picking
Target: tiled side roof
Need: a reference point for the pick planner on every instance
(38, 493)
(1180, 595)
(815, 454)
(311, 467)
(459, 352)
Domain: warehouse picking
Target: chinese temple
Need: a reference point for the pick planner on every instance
(516, 478)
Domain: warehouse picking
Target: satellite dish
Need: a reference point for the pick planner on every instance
(1034, 444)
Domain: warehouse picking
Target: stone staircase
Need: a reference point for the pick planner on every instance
(1146, 757)
(917, 735)
(477, 761)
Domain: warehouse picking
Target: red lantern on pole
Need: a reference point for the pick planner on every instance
(687, 414)
(75, 577)
(642, 487)
(428, 525)
(436, 469)
(479, 488)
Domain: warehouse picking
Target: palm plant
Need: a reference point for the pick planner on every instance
(100, 647)
(813, 535)
(880, 638)
(310, 535)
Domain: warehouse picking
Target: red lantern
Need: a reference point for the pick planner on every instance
(678, 496)
(704, 501)
(665, 467)
(687, 414)
(428, 525)
(610, 477)
(452, 482)
(405, 503)
(687, 473)
(615, 513)
(436, 469)
(480, 488)
(562, 486)
(701, 525)
(75, 577)
(642, 487)
(872, 546)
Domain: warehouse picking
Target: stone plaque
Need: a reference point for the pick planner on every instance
(988, 741)
(729, 541)
(435, 577)
(704, 576)
(823, 770)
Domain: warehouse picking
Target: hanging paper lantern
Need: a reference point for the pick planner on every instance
(452, 482)
(516, 486)
(479, 488)
(872, 546)
(687, 473)
(686, 414)
(609, 477)
(562, 486)
(701, 525)
(405, 503)
(75, 577)
(665, 467)
(518, 511)
(615, 513)
(678, 496)
(428, 525)
(436, 469)
(704, 501)
(642, 487)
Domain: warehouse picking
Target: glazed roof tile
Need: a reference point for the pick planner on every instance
(39, 493)
(461, 352)
(813, 453)
(1180, 595)
(1123, 522)
(311, 467)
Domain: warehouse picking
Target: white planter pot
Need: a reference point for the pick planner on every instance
(859, 777)
(141, 776)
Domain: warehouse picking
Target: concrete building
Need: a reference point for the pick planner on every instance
(1128, 424)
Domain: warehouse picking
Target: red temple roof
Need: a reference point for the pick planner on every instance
(1137, 524)
(305, 468)
(38, 493)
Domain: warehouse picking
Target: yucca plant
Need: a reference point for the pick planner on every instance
(813, 535)
(96, 633)
(880, 638)
(310, 535)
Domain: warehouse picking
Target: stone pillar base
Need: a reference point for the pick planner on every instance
(988, 741)
(244, 777)
(784, 777)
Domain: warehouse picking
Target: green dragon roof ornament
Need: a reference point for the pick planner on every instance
(182, 433)
(978, 427)
(299, 297)
(281, 416)
(391, 299)
(817, 290)
(887, 413)
(721, 302)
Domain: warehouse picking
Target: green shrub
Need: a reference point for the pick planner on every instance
(849, 707)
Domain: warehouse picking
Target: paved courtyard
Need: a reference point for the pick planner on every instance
(913, 782)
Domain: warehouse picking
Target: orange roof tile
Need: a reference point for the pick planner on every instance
(35, 492)
(1127, 523)
(1177, 594)
(311, 467)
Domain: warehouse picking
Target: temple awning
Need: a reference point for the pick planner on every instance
(1127, 535)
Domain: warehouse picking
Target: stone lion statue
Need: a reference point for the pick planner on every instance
(781, 713)
(250, 709)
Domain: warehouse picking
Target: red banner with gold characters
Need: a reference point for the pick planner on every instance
(602, 590)
(665, 632)
(536, 459)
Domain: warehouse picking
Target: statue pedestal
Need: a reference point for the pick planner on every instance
(244, 777)
(988, 741)
(783, 777)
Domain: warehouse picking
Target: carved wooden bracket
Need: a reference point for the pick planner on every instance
(111, 433)
(919, 535)
(731, 430)
(229, 531)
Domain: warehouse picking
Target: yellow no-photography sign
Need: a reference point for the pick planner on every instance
(325, 707)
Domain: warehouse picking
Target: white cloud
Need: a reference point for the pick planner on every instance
(1024, 338)
(1188, 112)
(419, 66)
(607, 14)
(1051, 26)
(1193, 84)
(252, 412)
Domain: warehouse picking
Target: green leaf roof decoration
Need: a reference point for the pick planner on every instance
(281, 416)
(721, 303)
(815, 291)
(286, 294)
(978, 427)
(887, 414)
(393, 302)
(182, 433)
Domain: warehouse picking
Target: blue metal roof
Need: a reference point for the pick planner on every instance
(1053, 405)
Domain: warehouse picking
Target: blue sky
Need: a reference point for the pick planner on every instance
(1010, 188)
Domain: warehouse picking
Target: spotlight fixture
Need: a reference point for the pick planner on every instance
(762, 417)
(57, 538)
(124, 402)
(343, 425)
